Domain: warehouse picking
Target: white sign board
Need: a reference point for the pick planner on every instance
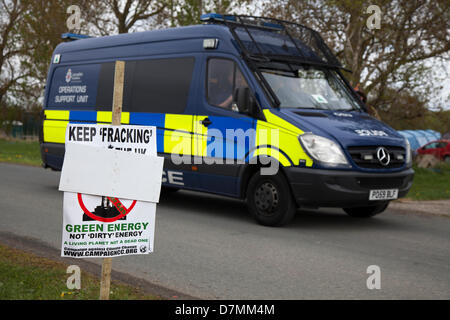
(101, 171)
(110, 196)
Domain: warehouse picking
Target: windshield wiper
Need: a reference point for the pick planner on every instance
(347, 110)
(309, 108)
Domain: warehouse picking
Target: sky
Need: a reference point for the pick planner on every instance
(445, 93)
(442, 97)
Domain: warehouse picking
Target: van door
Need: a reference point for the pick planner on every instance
(223, 135)
(160, 95)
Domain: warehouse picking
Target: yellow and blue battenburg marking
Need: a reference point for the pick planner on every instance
(226, 137)
(282, 136)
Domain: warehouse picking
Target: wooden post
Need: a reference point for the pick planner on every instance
(105, 282)
(119, 73)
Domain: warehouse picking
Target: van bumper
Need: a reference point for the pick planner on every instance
(333, 188)
(52, 155)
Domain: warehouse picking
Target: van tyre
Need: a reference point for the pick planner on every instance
(270, 200)
(366, 212)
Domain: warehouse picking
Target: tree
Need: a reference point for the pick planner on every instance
(188, 12)
(122, 16)
(11, 46)
(40, 39)
(410, 112)
(394, 57)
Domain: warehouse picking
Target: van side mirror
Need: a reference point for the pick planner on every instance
(245, 101)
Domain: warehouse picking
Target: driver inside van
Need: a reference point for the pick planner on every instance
(222, 82)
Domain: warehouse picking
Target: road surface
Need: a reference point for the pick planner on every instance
(209, 247)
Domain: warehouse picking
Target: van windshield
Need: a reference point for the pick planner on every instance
(310, 88)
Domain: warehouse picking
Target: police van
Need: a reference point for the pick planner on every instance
(248, 107)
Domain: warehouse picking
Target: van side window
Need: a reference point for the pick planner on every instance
(224, 77)
(105, 87)
(161, 85)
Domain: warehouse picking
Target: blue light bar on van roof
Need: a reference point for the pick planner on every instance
(216, 17)
(74, 36)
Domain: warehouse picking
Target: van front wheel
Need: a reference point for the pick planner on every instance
(366, 212)
(269, 199)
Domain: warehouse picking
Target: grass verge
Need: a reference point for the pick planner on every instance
(431, 184)
(20, 151)
(25, 276)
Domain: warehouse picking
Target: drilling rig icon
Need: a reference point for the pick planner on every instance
(104, 210)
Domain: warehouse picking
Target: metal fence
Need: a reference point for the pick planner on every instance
(27, 126)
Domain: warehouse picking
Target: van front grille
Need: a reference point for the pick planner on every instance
(366, 157)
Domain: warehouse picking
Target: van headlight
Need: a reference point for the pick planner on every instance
(408, 153)
(324, 150)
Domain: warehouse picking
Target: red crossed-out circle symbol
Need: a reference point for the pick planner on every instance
(115, 201)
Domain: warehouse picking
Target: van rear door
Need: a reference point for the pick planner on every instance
(76, 93)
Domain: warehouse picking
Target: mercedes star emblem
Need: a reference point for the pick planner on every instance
(383, 156)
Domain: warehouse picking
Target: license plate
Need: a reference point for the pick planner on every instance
(386, 194)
